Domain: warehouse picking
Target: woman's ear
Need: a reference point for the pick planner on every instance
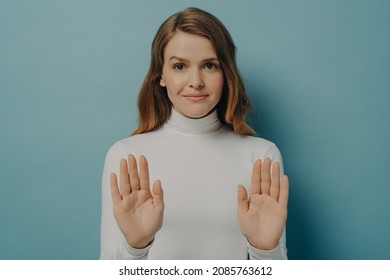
(162, 83)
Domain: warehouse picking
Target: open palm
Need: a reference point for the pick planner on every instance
(262, 217)
(139, 214)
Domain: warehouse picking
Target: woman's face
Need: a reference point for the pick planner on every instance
(192, 75)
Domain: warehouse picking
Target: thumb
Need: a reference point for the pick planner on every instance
(242, 197)
(158, 195)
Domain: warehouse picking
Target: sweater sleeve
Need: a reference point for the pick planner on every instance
(113, 245)
(280, 252)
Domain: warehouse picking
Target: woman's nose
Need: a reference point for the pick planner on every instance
(196, 80)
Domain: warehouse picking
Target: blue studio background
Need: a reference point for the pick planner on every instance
(318, 75)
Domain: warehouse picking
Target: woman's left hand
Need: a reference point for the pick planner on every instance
(262, 218)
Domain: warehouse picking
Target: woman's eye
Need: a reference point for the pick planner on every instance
(179, 67)
(210, 66)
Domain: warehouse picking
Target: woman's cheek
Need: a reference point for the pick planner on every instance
(178, 82)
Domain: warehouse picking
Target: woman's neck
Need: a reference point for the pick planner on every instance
(206, 125)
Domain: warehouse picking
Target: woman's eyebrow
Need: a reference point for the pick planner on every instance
(186, 60)
(177, 58)
(211, 59)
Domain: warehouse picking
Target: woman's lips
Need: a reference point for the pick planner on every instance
(196, 97)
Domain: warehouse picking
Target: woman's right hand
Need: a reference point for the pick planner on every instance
(139, 214)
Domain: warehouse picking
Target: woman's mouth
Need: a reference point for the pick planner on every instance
(196, 97)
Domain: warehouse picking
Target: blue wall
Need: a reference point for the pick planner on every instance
(318, 74)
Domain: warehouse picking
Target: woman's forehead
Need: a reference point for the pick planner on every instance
(188, 46)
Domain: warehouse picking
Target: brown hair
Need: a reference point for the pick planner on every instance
(154, 105)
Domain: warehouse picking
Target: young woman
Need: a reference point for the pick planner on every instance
(194, 145)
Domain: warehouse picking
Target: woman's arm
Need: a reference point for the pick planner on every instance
(262, 216)
(138, 214)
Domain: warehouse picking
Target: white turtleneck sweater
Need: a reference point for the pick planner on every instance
(200, 163)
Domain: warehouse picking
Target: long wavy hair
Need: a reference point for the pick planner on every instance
(154, 105)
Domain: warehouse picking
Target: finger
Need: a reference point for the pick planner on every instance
(275, 181)
(133, 171)
(283, 197)
(242, 199)
(124, 182)
(266, 177)
(256, 177)
(144, 174)
(115, 194)
(158, 195)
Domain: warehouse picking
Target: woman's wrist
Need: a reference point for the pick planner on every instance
(141, 244)
(263, 245)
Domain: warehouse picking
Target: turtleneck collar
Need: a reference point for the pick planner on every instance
(194, 127)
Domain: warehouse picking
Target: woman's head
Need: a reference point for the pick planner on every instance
(192, 75)
(154, 101)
